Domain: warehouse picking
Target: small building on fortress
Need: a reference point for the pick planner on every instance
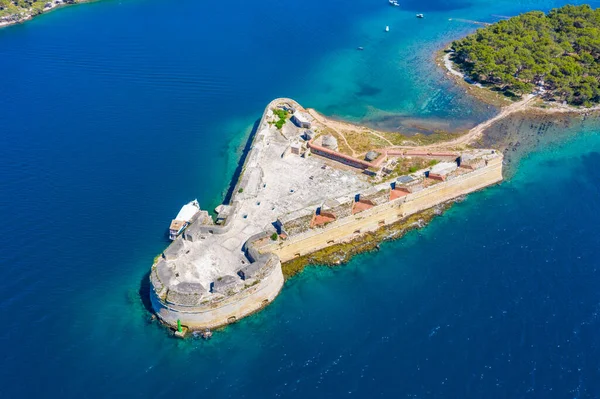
(471, 161)
(302, 119)
(442, 170)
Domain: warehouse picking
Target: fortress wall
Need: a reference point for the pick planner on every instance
(214, 314)
(297, 224)
(231, 309)
(377, 195)
(388, 213)
(450, 189)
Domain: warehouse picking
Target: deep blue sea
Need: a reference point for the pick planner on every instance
(115, 113)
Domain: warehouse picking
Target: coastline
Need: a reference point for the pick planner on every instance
(30, 14)
(478, 90)
(339, 254)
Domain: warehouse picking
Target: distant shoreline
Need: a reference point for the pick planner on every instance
(27, 15)
(538, 104)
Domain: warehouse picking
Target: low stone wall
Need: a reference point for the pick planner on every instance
(338, 156)
(390, 212)
(231, 309)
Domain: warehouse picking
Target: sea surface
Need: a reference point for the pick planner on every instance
(115, 113)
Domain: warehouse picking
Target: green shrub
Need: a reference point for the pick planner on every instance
(558, 50)
(282, 117)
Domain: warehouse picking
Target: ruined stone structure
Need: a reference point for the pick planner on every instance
(469, 161)
(296, 222)
(376, 195)
(409, 184)
(442, 171)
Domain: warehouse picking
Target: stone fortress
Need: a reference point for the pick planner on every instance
(297, 193)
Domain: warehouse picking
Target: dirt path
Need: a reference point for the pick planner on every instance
(527, 103)
(335, 126)
(381, 137)
(476, 132)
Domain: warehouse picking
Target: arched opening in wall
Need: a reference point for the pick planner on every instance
(232, 319)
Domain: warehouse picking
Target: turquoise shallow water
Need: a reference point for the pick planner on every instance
(113, 114)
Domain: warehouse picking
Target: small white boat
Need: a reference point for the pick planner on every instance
(420, 16)
(387, 28)
(394, 3)
(183, 218)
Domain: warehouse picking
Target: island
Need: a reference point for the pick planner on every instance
(18, 11)
(555, 56)
(307, 183)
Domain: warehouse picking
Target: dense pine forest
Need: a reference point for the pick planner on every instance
(556, 54)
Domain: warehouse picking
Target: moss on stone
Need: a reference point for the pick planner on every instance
(341, 253)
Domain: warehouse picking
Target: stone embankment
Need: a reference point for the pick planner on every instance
(390, 212)
(291, 201)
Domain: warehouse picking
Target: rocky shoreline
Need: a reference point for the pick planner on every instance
(25, 15)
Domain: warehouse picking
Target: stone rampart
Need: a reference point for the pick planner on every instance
(387, 213)
(230, 309)
(377, 195)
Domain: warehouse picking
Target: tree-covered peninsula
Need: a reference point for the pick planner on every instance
(557, 54)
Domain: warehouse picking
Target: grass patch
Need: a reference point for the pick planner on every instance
(412, 165)
(282, 115)
(342, 146)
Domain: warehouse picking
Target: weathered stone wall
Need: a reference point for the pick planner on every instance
(390, 212)
(196, 311)
(339, 208)
(472, 163)
(231, 309)
(376, 196)
(296, 222)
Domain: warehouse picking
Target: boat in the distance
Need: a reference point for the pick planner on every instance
(420, 16)
(183, 218)
(394, 3)
(387, 28)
